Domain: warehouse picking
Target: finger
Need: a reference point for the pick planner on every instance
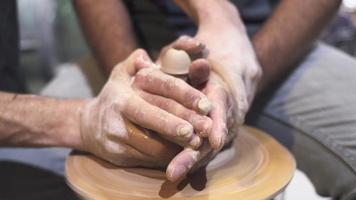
(121, 154)
(199, 72)
(143, 61)
(171, 127)
(201, 124)
(241, 101)
(185, 161)
(142, 140)
(193, 47)
(159, 83)
(150, 144)
(136, 60)
(189, 44)
(218, 114)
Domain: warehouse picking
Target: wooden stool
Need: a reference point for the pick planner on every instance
(255, 167)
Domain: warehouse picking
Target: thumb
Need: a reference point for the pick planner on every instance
(137, 60)
(185, 161)
(199, 72)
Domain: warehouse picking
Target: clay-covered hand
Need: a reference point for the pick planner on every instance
(232, 56)
(132, 93)
(231, 88)
(222, 114)
(211, 84)
(224, 129)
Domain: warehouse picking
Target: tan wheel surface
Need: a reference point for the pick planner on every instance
(255, 167)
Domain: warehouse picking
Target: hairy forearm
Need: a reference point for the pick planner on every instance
(288, 35)
(28, 120)
(108, 30)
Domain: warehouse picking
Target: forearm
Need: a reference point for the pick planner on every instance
(210, 12)
(108, 30)
(288, 34)
(28, 120)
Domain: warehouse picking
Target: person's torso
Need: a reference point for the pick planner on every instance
(10, 79)
(158, 22)
(253, 13)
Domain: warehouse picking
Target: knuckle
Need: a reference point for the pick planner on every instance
(114, 148)
(191, 99)
(139, 51)
(255, 73)
(166, 103)
(143, 73)
(116, 72)
(113, 125)
(171, 84)
(143, 77)
(115, 131)
(123, 103)
(184, 38)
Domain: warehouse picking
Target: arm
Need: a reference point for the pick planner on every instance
(288, 35)
(108, 29)
(101, 125)
(28, 120)
(278, 45)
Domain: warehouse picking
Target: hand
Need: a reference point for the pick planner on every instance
(222, 113)
(232, 57)
(235, 80)
(231, 88)
(106, 133)
(224, 127)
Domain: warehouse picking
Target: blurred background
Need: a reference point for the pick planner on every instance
(51, 37)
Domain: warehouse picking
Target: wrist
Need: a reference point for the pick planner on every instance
(217, 14)
(69, 133)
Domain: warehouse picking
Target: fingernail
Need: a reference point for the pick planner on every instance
(204, 125)
(185, 131)
(204, 106)
(195, 142)
(177, 173)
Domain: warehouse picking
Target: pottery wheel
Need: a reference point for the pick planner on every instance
(255, 167)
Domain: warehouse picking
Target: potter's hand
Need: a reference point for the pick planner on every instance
(233, 59)
(222, 113)
(212, 85)
(224, 127)
(106, 133)
(231, 87)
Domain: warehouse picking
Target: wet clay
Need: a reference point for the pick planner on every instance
(254, 167)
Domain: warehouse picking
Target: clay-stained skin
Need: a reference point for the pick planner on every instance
(107, 132)
(118, 141)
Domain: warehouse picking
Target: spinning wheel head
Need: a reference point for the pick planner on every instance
(255, 167)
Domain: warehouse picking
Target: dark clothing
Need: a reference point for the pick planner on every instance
(159, 22)
(10, 79)
(253, 13)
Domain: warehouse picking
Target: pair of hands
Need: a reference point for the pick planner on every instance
(139, 92)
